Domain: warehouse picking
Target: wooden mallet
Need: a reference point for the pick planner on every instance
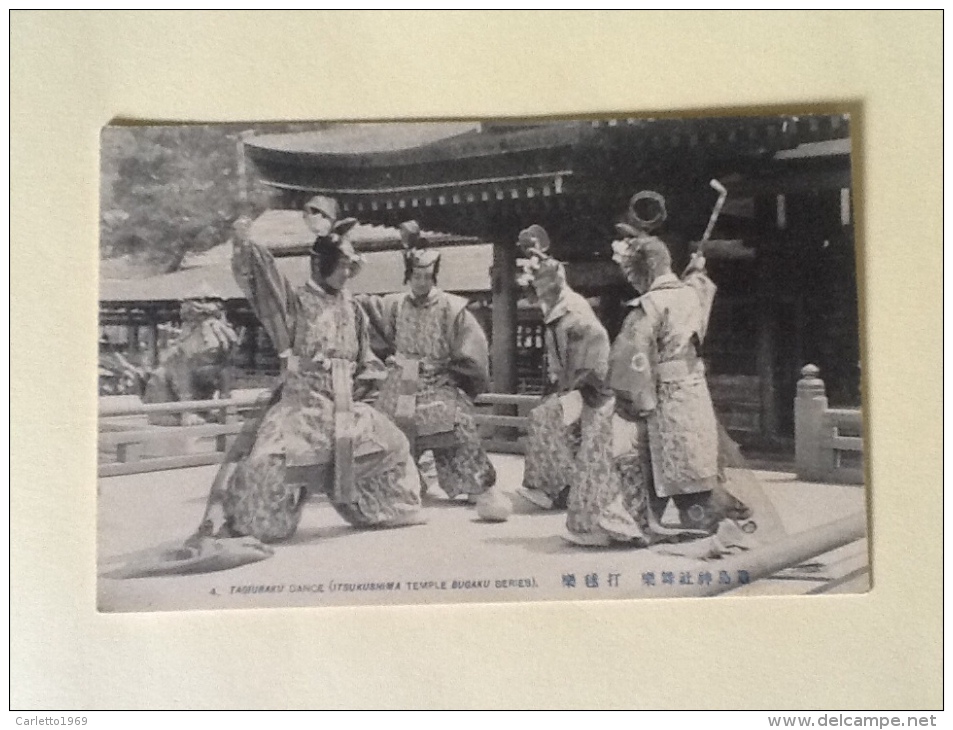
(722, 195)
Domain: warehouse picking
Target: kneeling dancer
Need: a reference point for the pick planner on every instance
(317, 436)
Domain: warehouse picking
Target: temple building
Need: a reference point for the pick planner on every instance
(138, 314)
(782, 252)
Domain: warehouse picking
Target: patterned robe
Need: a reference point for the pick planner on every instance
(660, 436)
(577, 350)
(323, 336)
(656, 369)
(445, 351)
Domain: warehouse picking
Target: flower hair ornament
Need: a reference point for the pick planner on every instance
(527, 274)
(646, 213)
(641, 254)
(416, 253)
(533, 243)
(538, 268)
(549, 274)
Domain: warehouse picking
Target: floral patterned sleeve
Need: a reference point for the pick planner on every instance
(381, 314)
(369, 368)
(589, 344)
(632, 360)
(705, 289)
(271, 295)
(469, 354)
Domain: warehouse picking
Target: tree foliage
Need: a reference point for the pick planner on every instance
(169, 190)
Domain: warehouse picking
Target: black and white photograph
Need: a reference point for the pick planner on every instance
(479, 361)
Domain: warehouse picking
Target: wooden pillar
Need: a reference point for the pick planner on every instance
(771, 213)
(253, 363)
(226, 415)
(132, 344)
(155, 343)
(800, 320)
(765, 360)
(152, 340)
(505, 293)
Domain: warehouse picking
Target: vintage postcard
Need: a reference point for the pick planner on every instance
(478, 361)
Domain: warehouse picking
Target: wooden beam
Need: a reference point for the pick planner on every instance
(505, 296)
(109, 439)
(728, 250)
(160, 464)
(132, 344)
(765, 366)
(763, 562)
(835, 176)
(152, 340)
(766, 213)
(506, 399)
(255, 399)
(501, 421)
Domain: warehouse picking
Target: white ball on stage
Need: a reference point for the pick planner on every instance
(494, 507)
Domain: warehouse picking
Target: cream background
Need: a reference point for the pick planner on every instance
(72, 73)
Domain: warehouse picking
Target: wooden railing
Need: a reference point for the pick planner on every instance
(826, 439)
(788, 552)
(175, 447)
(129, 439)
(828, 442)
(502, 433)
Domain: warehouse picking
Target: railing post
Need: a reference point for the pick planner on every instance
(129, 452)
(227, 415)
(810, 405)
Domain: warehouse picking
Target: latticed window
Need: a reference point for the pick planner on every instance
(530, 357)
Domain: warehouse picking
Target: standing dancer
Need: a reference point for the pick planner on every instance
(577, 352)
(663, 437)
